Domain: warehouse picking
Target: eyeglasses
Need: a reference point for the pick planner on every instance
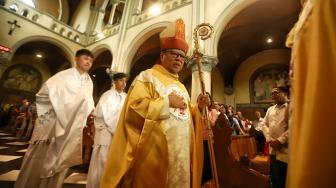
(176, 55)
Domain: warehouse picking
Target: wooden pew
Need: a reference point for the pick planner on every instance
(231, 172)
(88, 135)
(243, 145)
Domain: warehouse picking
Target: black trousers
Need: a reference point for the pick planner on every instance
(278, 171)
(260, 139)
(206, 174)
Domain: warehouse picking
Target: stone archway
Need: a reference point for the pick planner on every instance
(125, 63)
(146, 56)
(68, 53)
(31, 60)
(247, 28)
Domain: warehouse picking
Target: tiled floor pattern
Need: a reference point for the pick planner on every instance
(12, 151)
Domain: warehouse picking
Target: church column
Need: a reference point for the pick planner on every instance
(117, 65)
(101, 12)
(60, 10)
(96, 18)
(208, 62)
(198, 17)
(114, 6)
(138, 8)
(92, 20)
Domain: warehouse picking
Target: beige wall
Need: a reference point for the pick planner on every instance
(250, 65)
(137, 34)
(32, 32)
(217, 85)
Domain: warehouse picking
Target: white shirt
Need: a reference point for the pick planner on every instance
(276, 123)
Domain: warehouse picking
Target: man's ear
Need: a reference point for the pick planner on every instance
(76, 59)
(161, 56)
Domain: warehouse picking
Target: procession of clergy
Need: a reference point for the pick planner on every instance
(153, 136)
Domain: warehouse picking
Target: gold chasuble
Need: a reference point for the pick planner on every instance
(155, 146)
(313, 131)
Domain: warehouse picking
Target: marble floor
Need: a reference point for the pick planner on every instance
(12, 151)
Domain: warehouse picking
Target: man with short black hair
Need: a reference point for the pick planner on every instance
(275, 128)
(63, 105)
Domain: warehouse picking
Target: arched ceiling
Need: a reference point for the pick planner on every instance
(247, 32)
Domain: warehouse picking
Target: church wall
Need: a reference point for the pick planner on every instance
(213, 9)
(28, 31)
(217, 85)
(110, 43)
(133, 32)
(250, 65)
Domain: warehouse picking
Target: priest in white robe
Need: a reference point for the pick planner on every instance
(106, 117)
(63, 105)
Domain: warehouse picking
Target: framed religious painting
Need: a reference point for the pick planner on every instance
(21, 77)
(264, 79)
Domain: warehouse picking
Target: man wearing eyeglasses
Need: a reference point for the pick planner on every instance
(275, 129)
(158, 141)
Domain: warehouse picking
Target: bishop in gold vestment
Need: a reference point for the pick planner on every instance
(312, 160)
(158, 142)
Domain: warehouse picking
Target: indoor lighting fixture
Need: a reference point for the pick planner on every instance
(155, 10)
(269, 40)
(39, 55)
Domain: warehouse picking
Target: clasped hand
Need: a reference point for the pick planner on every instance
(176, 101)
(275, 144)
(203, 100)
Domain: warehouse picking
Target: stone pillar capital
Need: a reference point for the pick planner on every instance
(208, 62)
